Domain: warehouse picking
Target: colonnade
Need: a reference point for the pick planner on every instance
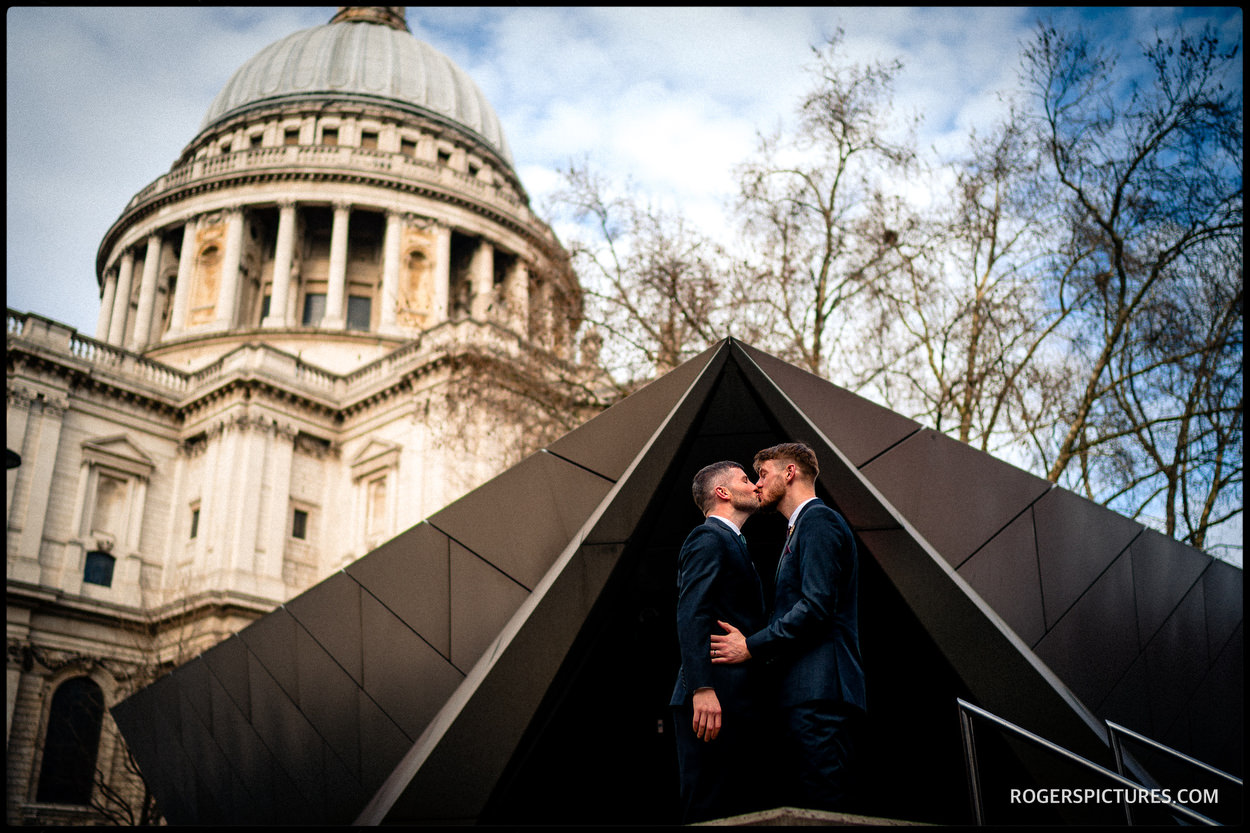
(135, 327)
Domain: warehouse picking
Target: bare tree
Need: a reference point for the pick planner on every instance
(657, 290)
(811, 205)
(1150, 179)
(962, 329)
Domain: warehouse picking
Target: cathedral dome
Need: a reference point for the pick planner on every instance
(357, 57)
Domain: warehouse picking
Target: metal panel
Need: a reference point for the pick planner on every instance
(497, 520)
(482, 600)
(173, 758)
(732, 410)
(608, 443)
(344, 793)
(857, 499)
(1175, 668)
(271, 640)
(860, 429)
(330, 612)
(250, 761)
(1215, 721)
(997, 667)
(286, 731)
(1164, 570)
(619, 519)
(449, 777)
(327, 697)
(382, 746)
(1096, 641)
(1223, 586)
(955, 496)
(1004, 573)
(1076, 540)
(409, 574)
(217, 787)
(407, 678)
(148, 722)
(228, 662)
(1127, 703)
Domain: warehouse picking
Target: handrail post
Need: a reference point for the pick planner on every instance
(970, 762)
(1118, 751)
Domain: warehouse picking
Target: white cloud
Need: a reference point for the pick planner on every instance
(101, 101)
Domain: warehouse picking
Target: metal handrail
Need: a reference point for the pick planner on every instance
(1116, 730)
(967, 711)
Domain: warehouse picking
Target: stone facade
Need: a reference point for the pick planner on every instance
(335, 314)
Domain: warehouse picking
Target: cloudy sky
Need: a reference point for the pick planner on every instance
(102, 101)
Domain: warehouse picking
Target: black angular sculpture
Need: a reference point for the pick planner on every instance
(508, 660)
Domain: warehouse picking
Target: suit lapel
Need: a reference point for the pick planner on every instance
(788, 549)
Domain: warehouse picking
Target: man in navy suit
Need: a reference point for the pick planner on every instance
(715, 707)
(811, 642)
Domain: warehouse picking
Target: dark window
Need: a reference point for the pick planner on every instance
(408, 147)
(264, 308)
(299, 525)
(369, 140)
(195, 522)
(290, 136)
(358, 310)
(99, 569)
(314, 308)
(71, 744)
(444, 158)
(330, 136)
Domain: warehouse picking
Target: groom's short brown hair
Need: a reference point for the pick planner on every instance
(799, 453)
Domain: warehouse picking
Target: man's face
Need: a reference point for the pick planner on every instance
(742, 492)
(771, 486)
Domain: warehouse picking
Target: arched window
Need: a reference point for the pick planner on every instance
(71, 743)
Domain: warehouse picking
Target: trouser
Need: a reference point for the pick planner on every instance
(820, 747)
(718, 778)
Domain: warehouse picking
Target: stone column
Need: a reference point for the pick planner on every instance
(147, 294)
(17, 414)
(186, 269)
(390, 273)
(282, 259)
(228, 297)
(106, 305)
(271, 542)
(336, 294)
(482, 275)
(542, 323)
(121, 301)
(28, 564)
(442, 274)
(517, 295)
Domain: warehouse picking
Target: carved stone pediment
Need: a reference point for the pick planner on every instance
(118, 452)
(377, 454)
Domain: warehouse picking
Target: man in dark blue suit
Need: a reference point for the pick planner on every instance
(715, 707)
(811, 642)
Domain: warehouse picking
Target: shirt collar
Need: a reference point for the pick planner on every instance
(728, 522)
(794, 516)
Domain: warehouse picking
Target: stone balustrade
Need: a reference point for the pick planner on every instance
(331, 158)
(262, 361)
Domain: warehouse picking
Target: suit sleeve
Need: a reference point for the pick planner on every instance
(823, 549)
(699, 571)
